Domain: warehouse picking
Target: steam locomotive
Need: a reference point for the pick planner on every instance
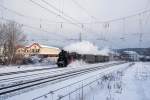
(66, 58)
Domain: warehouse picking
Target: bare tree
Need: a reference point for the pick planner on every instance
(11, 35)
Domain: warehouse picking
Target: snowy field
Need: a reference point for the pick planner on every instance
(121, 82)
(38, 92)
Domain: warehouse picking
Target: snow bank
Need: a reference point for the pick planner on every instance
(86, 47)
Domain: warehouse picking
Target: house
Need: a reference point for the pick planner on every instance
(39, 50)
(130, 56)
(49, 51)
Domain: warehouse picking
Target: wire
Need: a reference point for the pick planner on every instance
(127, 17)
(102, 22)
(27, 17)
(28, 26)
(52, 12)
(63, 13)
(37, 19)
(76, 3)
(22, 15)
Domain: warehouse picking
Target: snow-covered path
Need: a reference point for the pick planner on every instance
(134, 85)
(137, 83)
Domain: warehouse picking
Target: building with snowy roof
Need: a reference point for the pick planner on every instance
(40, 50)
(130, 56)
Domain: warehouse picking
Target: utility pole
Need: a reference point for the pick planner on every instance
(140, 28)
(2, 11)
(80, 34)
(80, 37)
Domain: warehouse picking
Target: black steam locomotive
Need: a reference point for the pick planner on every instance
(66, 58)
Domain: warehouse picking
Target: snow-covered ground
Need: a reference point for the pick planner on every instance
(8, 80)
(38, 92)
(131, 84)
(10, 68)
(121, 82)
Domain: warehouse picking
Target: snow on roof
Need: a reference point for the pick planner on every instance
(45, 46)
(130, 52)
(86, 47)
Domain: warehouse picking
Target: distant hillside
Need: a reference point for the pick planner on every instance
(141, 51)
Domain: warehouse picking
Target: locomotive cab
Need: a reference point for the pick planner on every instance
(62, 60)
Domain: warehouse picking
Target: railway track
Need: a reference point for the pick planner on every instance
(20, 78)
(25, 71)
(52, 78)
(26, 77)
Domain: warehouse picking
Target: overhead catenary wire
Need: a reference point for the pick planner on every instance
(126, 17)
(32, 27)
(102, 22)
(109, 21)
(54, 13)
(64, 18)
(63, 13)
(85, 10)
(29, 17)
(22, 15)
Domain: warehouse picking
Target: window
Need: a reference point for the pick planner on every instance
(37, 50)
